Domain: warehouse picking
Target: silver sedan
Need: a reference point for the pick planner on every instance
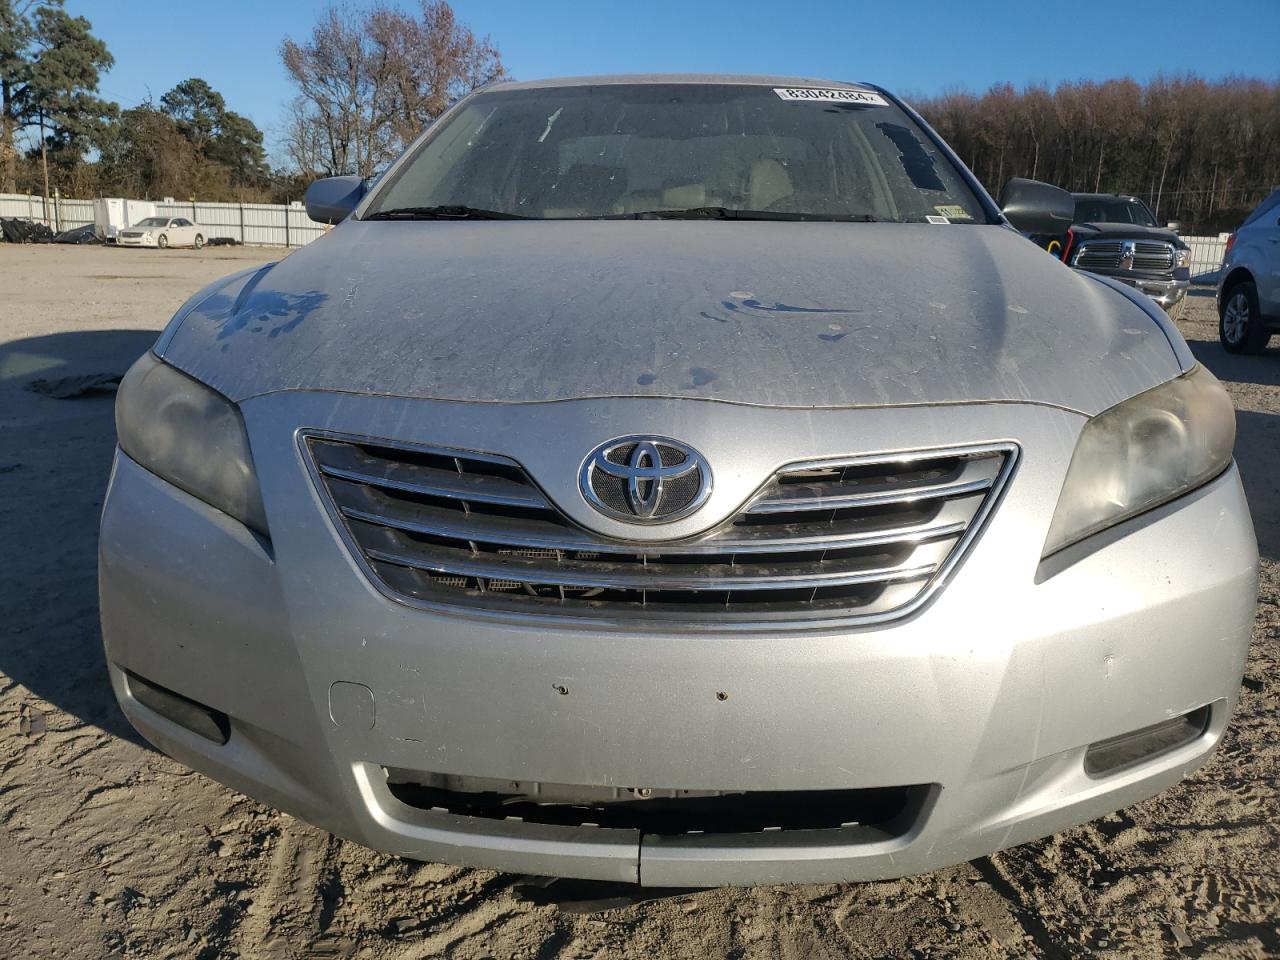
(685, 481)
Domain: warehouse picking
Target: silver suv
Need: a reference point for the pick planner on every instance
(680, 480)
(1249, 284)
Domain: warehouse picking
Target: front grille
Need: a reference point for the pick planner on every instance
(1150, 256)
(862, 537)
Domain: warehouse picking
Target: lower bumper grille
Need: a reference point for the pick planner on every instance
(890, 810)
(857, 537)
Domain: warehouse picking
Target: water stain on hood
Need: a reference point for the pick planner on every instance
(809, 315)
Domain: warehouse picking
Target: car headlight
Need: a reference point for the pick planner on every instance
(191, 436)
(1142, 453)
(1182, 257)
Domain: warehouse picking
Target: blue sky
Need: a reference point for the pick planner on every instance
(922, 47)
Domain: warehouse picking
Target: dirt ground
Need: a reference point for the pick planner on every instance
(110, 849)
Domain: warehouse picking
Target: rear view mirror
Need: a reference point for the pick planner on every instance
(330, 200)
(1035, 207)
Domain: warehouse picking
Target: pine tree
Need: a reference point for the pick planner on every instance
(50, 62)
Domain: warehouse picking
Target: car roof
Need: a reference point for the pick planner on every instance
(698, 78)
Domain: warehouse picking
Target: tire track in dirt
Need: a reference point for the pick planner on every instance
(1023, 911)
(293, 906)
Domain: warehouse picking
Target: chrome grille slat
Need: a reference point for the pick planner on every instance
(860, 538)
(348, 463)
(1149, 255)
(864, 602)
(974, 477)
(357, 503)
(655, 576)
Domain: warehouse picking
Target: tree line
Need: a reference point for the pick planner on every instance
(1199, 152)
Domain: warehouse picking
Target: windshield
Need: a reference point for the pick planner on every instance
(1113, 210)
(619, 150)
(1266, 206)
(152, 222)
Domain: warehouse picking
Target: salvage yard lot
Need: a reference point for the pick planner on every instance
(108, 848)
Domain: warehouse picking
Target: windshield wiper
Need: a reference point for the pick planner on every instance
(442, 212)
(458, 212)
(730, 213)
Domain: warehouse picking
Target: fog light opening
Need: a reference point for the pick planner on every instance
(1130, 749)
(186, 713)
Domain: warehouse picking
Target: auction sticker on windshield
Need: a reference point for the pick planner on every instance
(834, 95)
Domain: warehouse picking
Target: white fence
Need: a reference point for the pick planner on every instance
(1207, 254)
(64, 216)
(269, 224)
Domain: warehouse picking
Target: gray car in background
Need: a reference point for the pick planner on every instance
(685, 481)
(1249, 281)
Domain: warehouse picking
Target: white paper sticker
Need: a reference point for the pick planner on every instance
(832, 95)
(933, 219)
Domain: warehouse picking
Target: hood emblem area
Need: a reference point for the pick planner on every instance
(1128, 251)
(645, 479)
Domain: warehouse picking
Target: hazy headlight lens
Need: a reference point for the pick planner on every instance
(1142, 453)
(191, 436)
(1182, 258)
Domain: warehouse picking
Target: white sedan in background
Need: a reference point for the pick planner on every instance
(162, 232)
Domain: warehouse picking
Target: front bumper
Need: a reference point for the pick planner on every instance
(1167, 293)
(989, 696)
(124, 241)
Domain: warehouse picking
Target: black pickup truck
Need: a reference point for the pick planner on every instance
(1116, 236)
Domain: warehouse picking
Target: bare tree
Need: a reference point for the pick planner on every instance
(339, 85)
(303, 140)
(369, 82)
(434, 61)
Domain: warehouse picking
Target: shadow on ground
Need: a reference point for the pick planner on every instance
(1250, 379)
(1258, 457)
(71, 354)
(55, 458)
(1262, 369)
(592, 896)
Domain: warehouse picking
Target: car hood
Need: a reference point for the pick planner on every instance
(779, 314)
(1125, 231)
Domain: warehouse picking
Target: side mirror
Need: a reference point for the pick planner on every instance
(1035, 207)
(330, 200)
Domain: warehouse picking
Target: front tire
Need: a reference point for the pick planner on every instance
(1240, 325)
(162, 242)
(199, 241)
